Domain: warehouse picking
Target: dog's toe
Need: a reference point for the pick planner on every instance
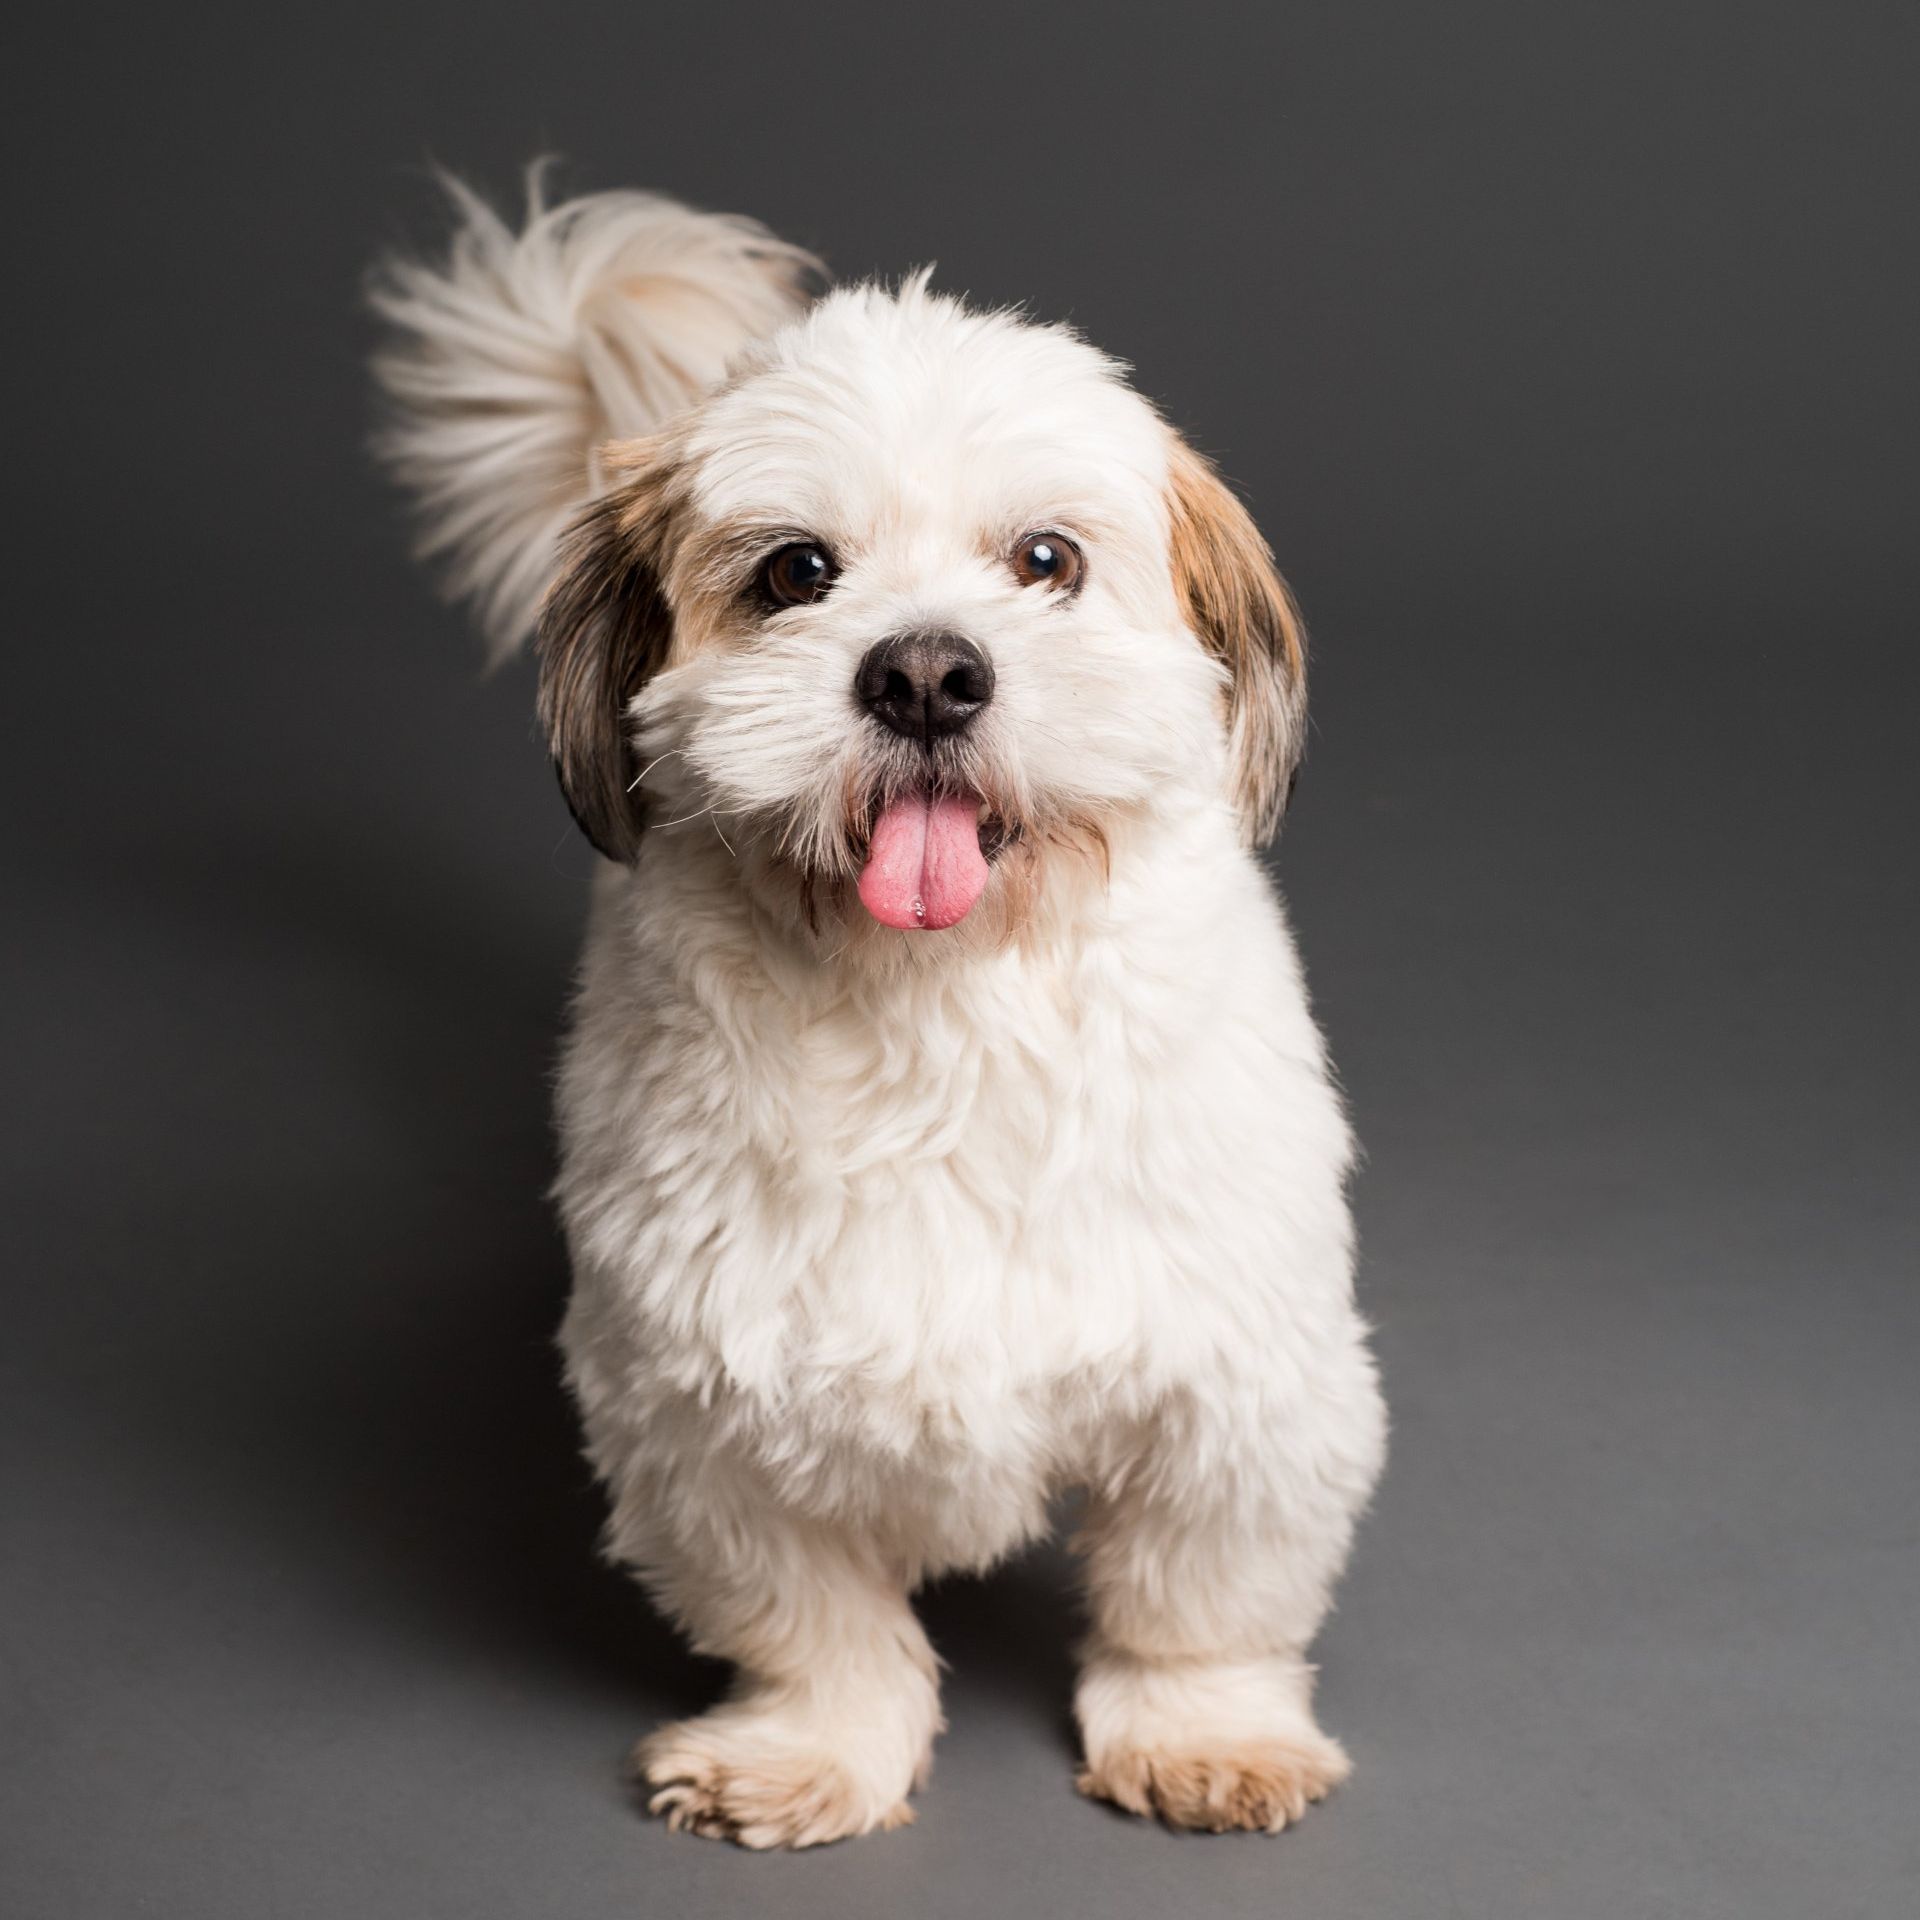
(1259, 1786)
(724, 1784)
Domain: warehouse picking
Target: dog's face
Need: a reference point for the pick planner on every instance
(919, 609)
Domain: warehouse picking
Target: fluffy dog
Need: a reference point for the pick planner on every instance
(942, 1120)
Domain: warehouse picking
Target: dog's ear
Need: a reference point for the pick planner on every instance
(605, 629)
(1242, 613)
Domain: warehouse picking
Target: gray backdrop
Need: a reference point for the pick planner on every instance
(1567, 354)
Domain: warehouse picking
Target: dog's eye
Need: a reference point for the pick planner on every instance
(798, 574)
(1046, 559)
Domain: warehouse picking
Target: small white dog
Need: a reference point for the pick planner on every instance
(942, 1121)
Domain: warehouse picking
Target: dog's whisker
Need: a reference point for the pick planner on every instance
(633, 784)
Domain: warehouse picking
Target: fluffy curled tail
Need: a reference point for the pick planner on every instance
(511, 360)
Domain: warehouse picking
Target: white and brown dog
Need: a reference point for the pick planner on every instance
(942, 1120)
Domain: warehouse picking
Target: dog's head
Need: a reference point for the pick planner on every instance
(915, 612)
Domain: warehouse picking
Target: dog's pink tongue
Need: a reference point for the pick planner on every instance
(925, 867)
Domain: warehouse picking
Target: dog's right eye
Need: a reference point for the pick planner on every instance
(798, 574)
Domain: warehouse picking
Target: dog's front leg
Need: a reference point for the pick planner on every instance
(831, 1719)
(1211, 1560)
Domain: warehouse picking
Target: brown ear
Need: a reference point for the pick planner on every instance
(1244, 616)
(605, 629)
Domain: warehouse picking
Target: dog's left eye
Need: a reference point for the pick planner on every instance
(1045, 559)
(798, 574)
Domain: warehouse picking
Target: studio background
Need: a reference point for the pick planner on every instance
(1566, 356)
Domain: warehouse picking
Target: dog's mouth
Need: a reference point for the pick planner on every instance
(927, 859)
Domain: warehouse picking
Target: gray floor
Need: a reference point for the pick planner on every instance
(1604, 871)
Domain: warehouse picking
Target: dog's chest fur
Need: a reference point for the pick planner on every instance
(953, 1221)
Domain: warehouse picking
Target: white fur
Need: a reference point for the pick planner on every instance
(513, 359)
(882, 1239)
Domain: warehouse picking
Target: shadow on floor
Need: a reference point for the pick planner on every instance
(353, 1369)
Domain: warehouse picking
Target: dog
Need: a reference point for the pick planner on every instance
(942, 1121)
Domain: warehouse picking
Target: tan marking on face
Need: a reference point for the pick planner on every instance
(1244, 616)
(605, 630)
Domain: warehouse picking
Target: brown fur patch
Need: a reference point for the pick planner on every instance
(721, 559)
(1245, 617)
(605, 629)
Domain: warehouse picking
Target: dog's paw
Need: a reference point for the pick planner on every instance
(728, 1777)
(1254, 1785)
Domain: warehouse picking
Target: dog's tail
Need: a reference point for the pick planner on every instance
(510, 361)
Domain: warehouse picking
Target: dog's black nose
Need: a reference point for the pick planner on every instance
(924, 685)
